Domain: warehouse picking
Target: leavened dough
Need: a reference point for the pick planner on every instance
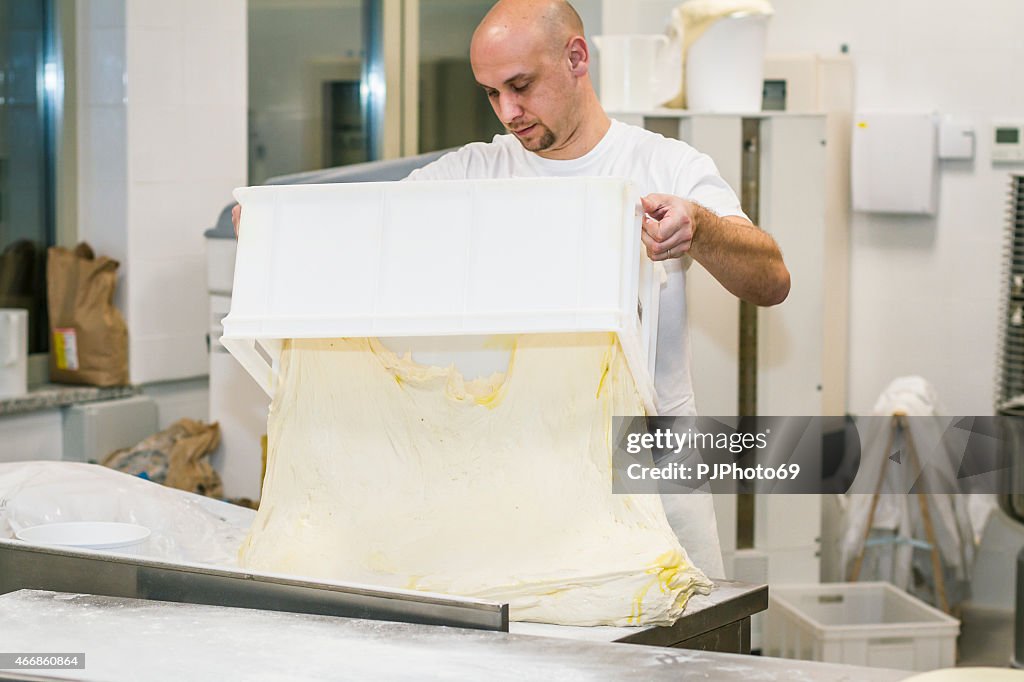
(387, 472)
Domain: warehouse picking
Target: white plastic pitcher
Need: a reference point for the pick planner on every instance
(638, 72)
(725, 66)
(13, 352)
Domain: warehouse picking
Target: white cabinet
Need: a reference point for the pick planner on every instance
(802, 197)
(31, 436)
(791, 336)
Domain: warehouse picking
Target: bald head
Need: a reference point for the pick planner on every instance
(532, 61)
(551, 23)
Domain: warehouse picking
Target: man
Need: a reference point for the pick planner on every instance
(532, 61)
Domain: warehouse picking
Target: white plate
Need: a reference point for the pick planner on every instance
(86, 534)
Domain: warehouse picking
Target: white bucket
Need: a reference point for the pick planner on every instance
(638, 72)
(122, 538)
(13, 352)
(725, 66)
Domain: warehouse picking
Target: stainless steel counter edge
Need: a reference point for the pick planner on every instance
(24, 566)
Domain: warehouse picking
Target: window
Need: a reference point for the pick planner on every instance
(452, 108)
(305, 97)
(326, 78)
(30, 92)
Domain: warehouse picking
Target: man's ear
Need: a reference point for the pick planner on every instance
(579, 56)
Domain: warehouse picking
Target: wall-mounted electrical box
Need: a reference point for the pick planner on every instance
(1008, 141)
(956, 140)
(894, 159)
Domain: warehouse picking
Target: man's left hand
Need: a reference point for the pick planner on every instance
(668, 226)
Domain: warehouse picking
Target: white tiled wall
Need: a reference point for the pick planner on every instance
(162, 121)
(102, 199)
(925, 292)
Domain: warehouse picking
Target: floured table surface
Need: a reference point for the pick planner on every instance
(129, 639)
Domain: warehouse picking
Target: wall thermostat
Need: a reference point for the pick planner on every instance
(1008, 141)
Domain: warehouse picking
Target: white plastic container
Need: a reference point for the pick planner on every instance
(638, 72)
(725, 66)
(119, 538)
(868, 624)
(422, 261)
(13, 352)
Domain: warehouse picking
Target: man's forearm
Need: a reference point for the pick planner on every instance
(742, 257)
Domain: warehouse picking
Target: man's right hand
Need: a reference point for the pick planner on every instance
(236, 216)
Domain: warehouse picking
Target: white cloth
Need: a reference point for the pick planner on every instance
(898, 516)
(653, 163)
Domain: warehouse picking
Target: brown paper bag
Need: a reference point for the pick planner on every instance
(178, 457)
(189, 465)
(89, 339)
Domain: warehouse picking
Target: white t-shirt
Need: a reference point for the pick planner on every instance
(653, 163)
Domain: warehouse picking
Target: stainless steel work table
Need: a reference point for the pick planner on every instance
(130, 639)
(718, 622)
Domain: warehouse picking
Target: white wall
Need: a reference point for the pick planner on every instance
(925, 291)
(162, 142)
(103, 156)
(177, 399)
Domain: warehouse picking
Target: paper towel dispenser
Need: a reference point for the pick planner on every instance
(894, 163)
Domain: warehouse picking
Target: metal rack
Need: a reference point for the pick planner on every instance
(1009, 400)
(1010, 380)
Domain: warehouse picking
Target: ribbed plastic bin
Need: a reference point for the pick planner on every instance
(868, 624)
(432, 260)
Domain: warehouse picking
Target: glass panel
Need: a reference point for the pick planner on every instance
(452, 109)
(305, 97)
(27, 88)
